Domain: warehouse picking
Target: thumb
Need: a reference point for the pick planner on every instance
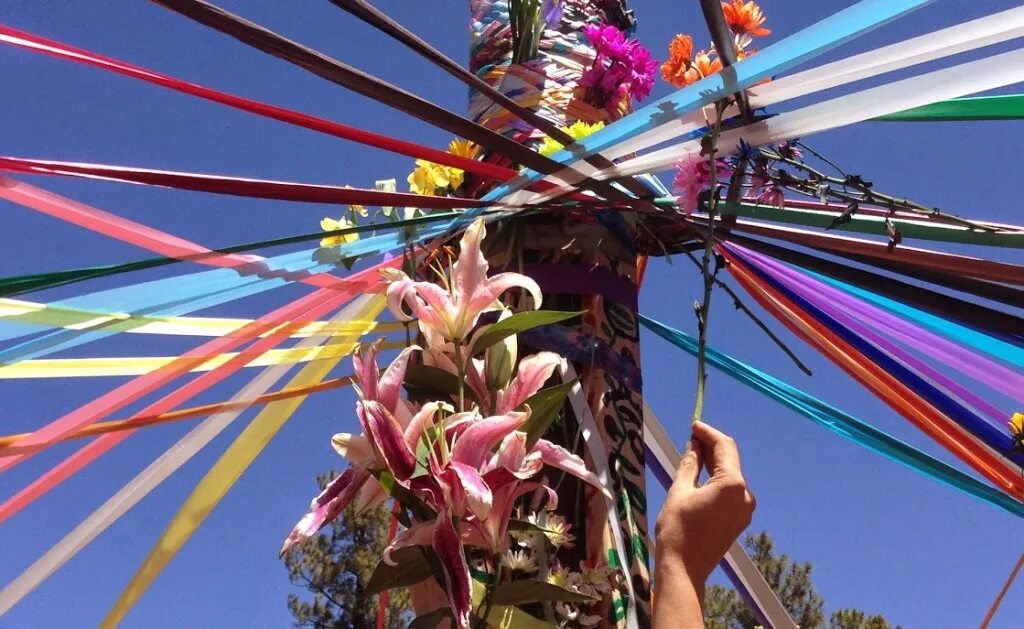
(688, 472)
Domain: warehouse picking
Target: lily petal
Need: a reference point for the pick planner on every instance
(470, 270)
(419, 421)
(558, 457)
(386, 437)
(390, 385)
(327, 506)
(448, 547)
(364, 365)
(355, 448)
(474, 445)
(533, 372)
(478, 494)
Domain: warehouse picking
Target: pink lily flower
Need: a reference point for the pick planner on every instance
(387, 441)
(454, 312)
(478, 486)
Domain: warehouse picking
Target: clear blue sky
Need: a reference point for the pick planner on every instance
(882, 538)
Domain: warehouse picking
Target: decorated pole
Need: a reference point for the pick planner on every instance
(558, 59)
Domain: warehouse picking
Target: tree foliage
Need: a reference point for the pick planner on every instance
(335, 565)
(725, 609)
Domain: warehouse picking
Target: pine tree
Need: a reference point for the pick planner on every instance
(791, 581)
(335, 565)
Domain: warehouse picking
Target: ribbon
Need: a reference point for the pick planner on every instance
(839, 422)
(223, 475)
(176, 456)
(897, 395)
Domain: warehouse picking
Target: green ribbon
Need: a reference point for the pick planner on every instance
(1006, 107)
(21, 284)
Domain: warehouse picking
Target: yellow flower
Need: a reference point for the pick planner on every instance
(463, 148)
(429, 176)
(577, 130)
(329, 224)
(358, 209)
(1017, 424)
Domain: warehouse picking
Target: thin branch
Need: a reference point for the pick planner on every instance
(704, 308)
(741, 306)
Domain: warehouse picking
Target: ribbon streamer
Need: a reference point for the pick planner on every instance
(222, 476)
(176, 456)
(841, 423)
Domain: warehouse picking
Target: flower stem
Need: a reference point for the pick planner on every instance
(489, 601)
(461, 366)
(705, 268)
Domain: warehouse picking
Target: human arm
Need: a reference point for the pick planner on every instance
(697, 525)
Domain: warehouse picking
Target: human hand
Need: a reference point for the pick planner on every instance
(699, 522)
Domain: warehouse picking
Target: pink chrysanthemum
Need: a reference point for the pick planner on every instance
(693, 174)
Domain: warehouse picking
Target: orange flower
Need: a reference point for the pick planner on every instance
(744, 18)
(705, 64)
(682, 67)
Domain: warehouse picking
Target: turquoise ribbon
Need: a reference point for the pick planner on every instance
(186, 294)
(961, 334)
(839, 422)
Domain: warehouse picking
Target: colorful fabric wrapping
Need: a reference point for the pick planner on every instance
(1002, 325)
(285, 320)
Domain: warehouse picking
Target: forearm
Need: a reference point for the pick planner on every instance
(678, 596)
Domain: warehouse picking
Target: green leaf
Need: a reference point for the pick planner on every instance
(434, 383)
(412, 566)
(518, 323)
(404, 497)
(545, 405)
(430, 620)
(504, 616)
(533, 591)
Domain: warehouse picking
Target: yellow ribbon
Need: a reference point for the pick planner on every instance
(138, 365)
(34, 313)
(229, 468)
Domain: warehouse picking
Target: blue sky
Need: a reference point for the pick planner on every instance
(882, 538)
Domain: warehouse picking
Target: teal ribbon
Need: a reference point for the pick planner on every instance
(953, 331)
(839, 422)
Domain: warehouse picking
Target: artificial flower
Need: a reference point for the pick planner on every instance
(1017, 424)
(744, 18)
(577, 130)
(454, 312)
(329, 225)
(519, 560)
(428, 177)
(771, 195)
(622, 68)
(684, 68)
(693, 174)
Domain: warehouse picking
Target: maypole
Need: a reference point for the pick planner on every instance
(582, 264)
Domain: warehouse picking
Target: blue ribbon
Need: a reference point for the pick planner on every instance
(839, 422)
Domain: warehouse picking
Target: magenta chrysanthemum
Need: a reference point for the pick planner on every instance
(622, 68)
